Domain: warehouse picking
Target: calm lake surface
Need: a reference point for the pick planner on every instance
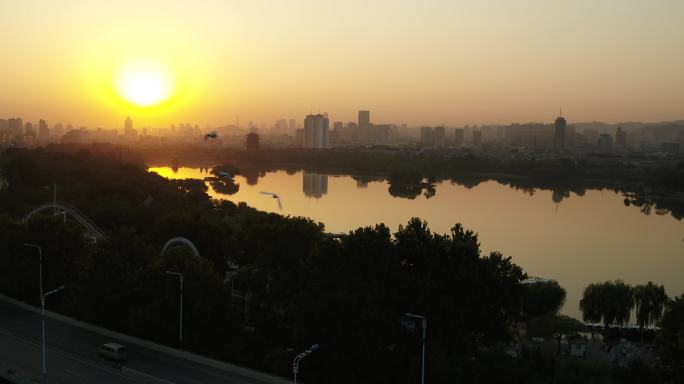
(582, 239)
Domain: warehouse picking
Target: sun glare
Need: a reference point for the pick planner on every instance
(144, 83)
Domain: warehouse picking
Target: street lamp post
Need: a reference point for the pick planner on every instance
(424, 324)
(295, 365)
(43, 296)
(42, 312)
(180, 275)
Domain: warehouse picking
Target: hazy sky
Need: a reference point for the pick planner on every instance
(417, 62)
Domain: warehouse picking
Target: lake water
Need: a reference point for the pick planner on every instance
(582, 239)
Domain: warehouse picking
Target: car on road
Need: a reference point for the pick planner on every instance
(112, 351)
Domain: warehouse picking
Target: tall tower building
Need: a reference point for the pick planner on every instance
(128, 125)
(477, 138)
(43, 131)
(316, 129)
(459, 137)
(439, 136)
(427, 136)
(29, 130)
(16, 126)
(620, 137)
(560, 133)
(129, 132)
(364, 125)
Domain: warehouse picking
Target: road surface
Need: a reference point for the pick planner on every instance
(72, 356)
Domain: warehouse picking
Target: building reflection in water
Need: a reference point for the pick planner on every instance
(315, 184)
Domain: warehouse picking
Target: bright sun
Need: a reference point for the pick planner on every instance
(144, 83)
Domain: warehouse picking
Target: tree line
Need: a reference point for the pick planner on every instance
(266, 286)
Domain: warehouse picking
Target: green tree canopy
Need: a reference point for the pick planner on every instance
(649, 300)
(610, 302)
(542, 297)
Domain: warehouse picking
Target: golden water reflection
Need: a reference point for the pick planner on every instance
(580, 240)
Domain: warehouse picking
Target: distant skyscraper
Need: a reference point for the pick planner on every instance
(280, 127)
(43, 131)
(459, 137)
(364, 124)
(129, 132)
(427, 136)
(16, 126)
(620, 137)
(477, 138)
(128, 125)
(292, 126)
(605, 142)
(57, 132)
(350, 133)
(439, 136)
(560, 133)
(337, 132)
(29, 130)
(299, 137)
(316, 131)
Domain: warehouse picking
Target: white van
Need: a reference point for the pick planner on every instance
(112, 351)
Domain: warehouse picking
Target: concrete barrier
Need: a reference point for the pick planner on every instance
(250, 373)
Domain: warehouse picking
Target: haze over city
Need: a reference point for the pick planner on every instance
(337, 192)
(419, 63)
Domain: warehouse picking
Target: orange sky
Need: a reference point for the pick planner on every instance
(416, 62)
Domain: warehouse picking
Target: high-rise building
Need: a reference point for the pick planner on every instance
(337, 132)
(316, 131)
(380, 133)
(16, 126)
(364, 124)
(620, 138)
(129, 132)
(477, 138)
(427, 136)
(29, 130)
(299, 137)
(280, 127)
(43, 131)
(439, 136)
(128, 125)
(560, 133)
(57, 132)
(351, 133)
(292, 126)
(605, 142)
(459, 137)
(5, 135)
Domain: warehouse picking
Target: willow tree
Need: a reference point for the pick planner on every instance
(650, 300)
(610, 303)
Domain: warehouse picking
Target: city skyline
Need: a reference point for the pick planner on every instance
(298, 122)
(429, 63)
(327, 191)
